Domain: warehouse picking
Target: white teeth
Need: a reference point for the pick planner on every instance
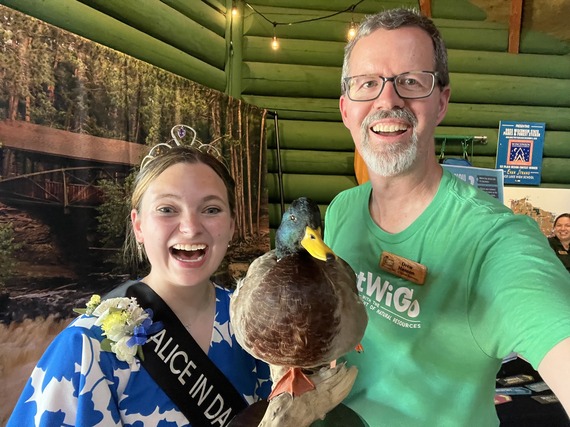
(389, 128)
(182, 247)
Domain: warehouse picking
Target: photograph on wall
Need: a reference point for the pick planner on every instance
(519, 151)
(541, 204)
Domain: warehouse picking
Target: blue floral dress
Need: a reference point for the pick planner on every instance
(75, 383)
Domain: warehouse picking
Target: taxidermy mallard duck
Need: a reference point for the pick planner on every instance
(298, 308)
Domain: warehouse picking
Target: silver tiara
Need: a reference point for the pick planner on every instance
(179, 134)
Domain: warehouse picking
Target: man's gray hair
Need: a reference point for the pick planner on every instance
(397, 18)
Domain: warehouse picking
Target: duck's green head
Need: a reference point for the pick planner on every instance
(300, 229)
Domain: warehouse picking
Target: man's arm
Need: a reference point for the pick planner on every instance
(555, 371)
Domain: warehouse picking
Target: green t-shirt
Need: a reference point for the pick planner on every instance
(432, 351)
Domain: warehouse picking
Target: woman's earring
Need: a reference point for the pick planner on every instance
(140, 250)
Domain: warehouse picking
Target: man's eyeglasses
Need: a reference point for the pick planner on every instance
(410, 85)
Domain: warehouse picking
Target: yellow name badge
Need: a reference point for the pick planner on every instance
(403, 267)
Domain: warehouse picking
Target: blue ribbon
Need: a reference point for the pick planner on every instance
(144, 330)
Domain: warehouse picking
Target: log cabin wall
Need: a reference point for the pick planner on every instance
(300, 81)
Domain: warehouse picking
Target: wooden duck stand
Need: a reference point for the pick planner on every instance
(317, 408)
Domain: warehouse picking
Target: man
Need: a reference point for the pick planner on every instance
(452, 280)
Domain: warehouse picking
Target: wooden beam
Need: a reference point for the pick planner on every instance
(515, 24)
(425, 7)
(43, 139)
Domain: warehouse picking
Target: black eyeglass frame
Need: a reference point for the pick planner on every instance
(434, 74)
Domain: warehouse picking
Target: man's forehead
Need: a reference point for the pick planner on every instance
(405, 45)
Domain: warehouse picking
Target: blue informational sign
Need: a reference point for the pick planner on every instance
(488, 180)
(519, 151)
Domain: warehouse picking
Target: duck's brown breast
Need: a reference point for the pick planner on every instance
(296, 313)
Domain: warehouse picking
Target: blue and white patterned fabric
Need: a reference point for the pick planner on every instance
(75, 383)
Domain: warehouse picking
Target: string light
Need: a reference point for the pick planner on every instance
(275, 41)
(351, 31)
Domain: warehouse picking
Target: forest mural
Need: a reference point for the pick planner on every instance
(76, 118)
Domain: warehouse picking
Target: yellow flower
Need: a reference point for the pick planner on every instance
(93, 303)
(114, 325)
(118, 319)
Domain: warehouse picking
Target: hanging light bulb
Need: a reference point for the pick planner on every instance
(234, 9)
(274, 41)
(351, 30)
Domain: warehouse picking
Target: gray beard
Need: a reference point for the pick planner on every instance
(392, 159)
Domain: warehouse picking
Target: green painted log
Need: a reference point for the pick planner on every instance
(298, 108)
(462, 115)
(324, 82)
(87, 22)
(320, 188)
(487, 115)
(555, 170)
(312, 162)
(501, 63)
(290, 80)
(509, 90)
(213, 18)
(535, 42)
(293, 51)
(161, 22)
(557, 144)
(456, 9)
(330, 54)
(310, 135)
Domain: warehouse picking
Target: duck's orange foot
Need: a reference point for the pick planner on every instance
(359, 348)
(294, 382)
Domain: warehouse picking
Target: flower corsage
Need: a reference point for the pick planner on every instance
(125, 325)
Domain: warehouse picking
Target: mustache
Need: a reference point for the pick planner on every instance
(397, 113)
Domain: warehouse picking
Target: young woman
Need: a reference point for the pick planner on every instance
(121, 365)
(560, 240)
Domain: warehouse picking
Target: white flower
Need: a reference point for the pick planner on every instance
(123, 351)
(122, 303)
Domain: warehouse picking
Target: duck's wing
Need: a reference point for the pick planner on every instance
(256, 271)
(243, 310)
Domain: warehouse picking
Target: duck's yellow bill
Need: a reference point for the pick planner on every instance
(313, 243)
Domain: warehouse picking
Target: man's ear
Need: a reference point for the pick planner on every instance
(342, 107)
(444, 96)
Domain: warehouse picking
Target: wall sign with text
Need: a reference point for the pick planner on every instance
(488, 180)
(519, 152)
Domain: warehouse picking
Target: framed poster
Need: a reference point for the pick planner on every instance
(519, 151)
